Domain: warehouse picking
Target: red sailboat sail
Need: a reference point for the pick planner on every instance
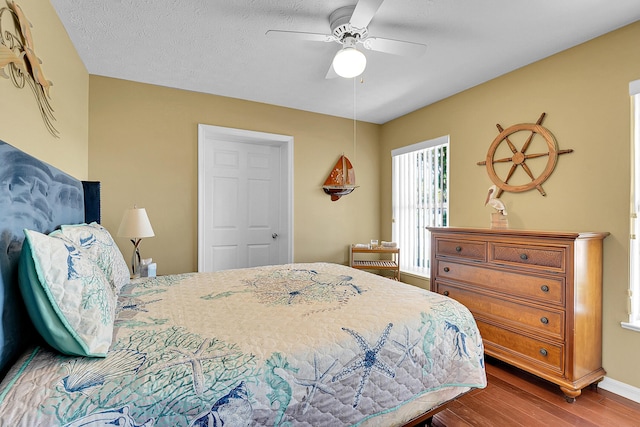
(342, 179)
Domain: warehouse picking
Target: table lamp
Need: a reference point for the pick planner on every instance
(135, 225)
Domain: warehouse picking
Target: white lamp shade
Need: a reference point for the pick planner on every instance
(349, 62)
(135, 224)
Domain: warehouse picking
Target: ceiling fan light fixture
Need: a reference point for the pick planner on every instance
(349, 62)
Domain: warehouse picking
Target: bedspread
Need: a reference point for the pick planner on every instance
(303, 344)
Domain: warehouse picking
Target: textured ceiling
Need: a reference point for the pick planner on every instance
(220, 47)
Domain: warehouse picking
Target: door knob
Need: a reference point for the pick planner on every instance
(274, 235)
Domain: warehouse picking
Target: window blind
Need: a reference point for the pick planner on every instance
(420, 200)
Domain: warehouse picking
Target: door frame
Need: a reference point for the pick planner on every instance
(206, 132)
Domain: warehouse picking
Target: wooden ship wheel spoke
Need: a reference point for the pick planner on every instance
(520, 156)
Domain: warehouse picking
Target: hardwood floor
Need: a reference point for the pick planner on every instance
(516, 398)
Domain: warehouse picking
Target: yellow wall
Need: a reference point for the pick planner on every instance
(143, 142)
(143, 148)
(20, 122)
(584, 92)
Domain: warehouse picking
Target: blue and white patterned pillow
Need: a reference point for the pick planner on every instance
(67, 295)
(96, 240)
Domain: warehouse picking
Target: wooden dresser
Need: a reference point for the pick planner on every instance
(536, 296)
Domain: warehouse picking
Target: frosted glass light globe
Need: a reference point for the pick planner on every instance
(349, 62)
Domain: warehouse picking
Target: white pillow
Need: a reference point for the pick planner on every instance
(98, 243)
(66, 294)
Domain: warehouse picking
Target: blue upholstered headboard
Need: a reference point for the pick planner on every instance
(39, 197)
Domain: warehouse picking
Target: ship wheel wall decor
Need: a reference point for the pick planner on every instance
(518, 157)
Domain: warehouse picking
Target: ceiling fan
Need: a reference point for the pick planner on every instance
(349, 28)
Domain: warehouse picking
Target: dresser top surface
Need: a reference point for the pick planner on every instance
(520, 233)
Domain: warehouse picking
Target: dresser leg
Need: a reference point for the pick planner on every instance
(594, 386)
(570, 394)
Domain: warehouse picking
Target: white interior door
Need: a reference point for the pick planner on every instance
(244, 199)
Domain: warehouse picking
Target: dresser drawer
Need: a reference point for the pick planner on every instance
(544, 289)
(549, 258)
(501, 342)
(535, 319)
(465, 249)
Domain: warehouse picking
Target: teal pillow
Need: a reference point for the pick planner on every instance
(100, 246)
(67, 296)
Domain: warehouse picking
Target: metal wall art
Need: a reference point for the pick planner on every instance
(18, 60)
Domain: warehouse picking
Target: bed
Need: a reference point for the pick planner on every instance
(306, 344)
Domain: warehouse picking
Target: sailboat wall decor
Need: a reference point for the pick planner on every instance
(342, 179)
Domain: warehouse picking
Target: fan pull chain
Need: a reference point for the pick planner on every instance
(354, 121)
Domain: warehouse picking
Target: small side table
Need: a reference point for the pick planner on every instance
(388, 261)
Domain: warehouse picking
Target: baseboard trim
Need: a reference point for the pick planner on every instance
(621, 389)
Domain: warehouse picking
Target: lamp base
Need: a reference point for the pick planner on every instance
(135, 259)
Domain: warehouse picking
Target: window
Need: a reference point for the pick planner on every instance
(420, 195)
(634, 237)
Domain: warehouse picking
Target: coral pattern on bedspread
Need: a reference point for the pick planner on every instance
(301, 344)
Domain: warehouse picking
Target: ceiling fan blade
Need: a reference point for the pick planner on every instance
(331, 74)
(395, 47)
(314, 37)
(364, 12)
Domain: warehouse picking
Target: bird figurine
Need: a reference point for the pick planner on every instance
(493, 202)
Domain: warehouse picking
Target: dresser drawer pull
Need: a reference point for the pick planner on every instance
(446, 269)
(458, 249)
(544, 288)
(523, 257)
(544, 352)
(544, 320)
(445, 293)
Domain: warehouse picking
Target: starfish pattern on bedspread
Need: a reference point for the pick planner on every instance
(195, 359)
(368, 360)
(316, 383)
(407, 347)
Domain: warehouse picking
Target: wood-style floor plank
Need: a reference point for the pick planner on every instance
(515, 398)
(522, 411)
(583, 408)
